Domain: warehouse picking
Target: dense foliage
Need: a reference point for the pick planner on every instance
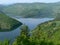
(7, 23)
(6, 42)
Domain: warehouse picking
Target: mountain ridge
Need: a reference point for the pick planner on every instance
(34, 10)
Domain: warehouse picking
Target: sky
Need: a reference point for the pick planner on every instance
(26, 1)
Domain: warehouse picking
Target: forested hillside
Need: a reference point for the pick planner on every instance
(37, 10)
(7, 23)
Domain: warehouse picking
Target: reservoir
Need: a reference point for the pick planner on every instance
(30, 22)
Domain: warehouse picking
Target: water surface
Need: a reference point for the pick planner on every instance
(30, 22)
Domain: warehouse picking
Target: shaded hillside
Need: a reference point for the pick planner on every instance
(7, 23)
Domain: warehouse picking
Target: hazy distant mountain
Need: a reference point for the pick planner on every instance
(1, 7)
(33, 9)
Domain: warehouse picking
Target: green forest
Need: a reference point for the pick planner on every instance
(7, 23)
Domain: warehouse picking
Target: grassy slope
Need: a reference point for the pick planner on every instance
(7, 23)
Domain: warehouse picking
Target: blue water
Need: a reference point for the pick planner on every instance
(30, 22)
(33, 22)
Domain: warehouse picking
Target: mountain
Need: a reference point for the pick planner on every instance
(1, 7)
(36, 10)
(7, 23)
(29, 9)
